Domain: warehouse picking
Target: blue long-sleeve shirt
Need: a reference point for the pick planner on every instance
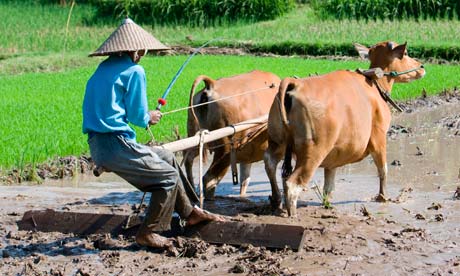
(115, 96)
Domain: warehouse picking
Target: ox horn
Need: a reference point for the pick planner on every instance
(391, 45)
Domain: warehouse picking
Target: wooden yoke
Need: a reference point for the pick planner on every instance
(373, 73)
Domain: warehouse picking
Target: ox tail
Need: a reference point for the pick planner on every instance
(285, 101)
(286, 169)
(287, 96)
(209, 85)
(194, 123)
(285, 105)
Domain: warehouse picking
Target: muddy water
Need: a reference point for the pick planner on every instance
(417, 233)
(430, 153)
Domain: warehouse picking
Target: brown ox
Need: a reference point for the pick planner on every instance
(333, 120)
(238, 98)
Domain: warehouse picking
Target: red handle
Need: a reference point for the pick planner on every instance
(161, 101)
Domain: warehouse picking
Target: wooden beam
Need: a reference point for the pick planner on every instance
(275, 236)
(194, 141)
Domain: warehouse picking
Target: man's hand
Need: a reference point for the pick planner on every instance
(155, 116)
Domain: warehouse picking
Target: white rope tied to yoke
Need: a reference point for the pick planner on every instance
(152, 138)
(203, 132)
(213, 101)
(217, 100)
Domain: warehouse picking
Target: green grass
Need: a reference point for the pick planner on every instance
(42, 29)
(41, 112)
(396, 9)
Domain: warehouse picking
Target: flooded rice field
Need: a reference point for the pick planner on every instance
(416, 233)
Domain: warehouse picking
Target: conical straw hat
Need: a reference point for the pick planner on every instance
(129, 37)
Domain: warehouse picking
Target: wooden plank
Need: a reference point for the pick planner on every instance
(78, 223)
(276, 236)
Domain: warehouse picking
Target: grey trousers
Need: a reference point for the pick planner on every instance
(150, 170)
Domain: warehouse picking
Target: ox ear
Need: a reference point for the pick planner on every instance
(362, 50)
(400, 50)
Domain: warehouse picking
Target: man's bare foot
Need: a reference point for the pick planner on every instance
(150, 239)
(199, 215)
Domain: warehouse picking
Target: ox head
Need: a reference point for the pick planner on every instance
(393, 59)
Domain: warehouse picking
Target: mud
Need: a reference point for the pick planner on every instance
(416, 233)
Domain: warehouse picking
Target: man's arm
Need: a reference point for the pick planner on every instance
(136, 99)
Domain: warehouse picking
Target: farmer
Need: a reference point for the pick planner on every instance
(116, 96)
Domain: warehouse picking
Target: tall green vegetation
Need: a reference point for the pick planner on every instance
(41, 30)
(387, 9)
(189, 12)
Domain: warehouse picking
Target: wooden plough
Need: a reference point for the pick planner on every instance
(231, 232)
(275, 236)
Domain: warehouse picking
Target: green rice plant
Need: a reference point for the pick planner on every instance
(323, 198)
(192, 12)
(41, 112)
(387, 9)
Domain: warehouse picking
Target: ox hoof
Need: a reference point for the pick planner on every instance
(275, 203)
(279, 212)
(381, 198)
(292, 215)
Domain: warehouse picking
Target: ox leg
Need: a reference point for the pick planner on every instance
(215, 173)
(245, 171)
(291, 195)
(309, 158)
(190, 156)
(380, 162)
(272, 156)
(379, 154)
(329, 184)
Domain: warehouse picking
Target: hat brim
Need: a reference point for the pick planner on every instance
(129, 37)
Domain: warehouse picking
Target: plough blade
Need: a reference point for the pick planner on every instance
(78, 223)
(273, 236)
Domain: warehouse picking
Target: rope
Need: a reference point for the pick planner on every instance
(202, 134)
(217, 100)
(396, 73)
(151, 133)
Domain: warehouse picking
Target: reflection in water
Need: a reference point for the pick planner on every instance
(429, 155)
